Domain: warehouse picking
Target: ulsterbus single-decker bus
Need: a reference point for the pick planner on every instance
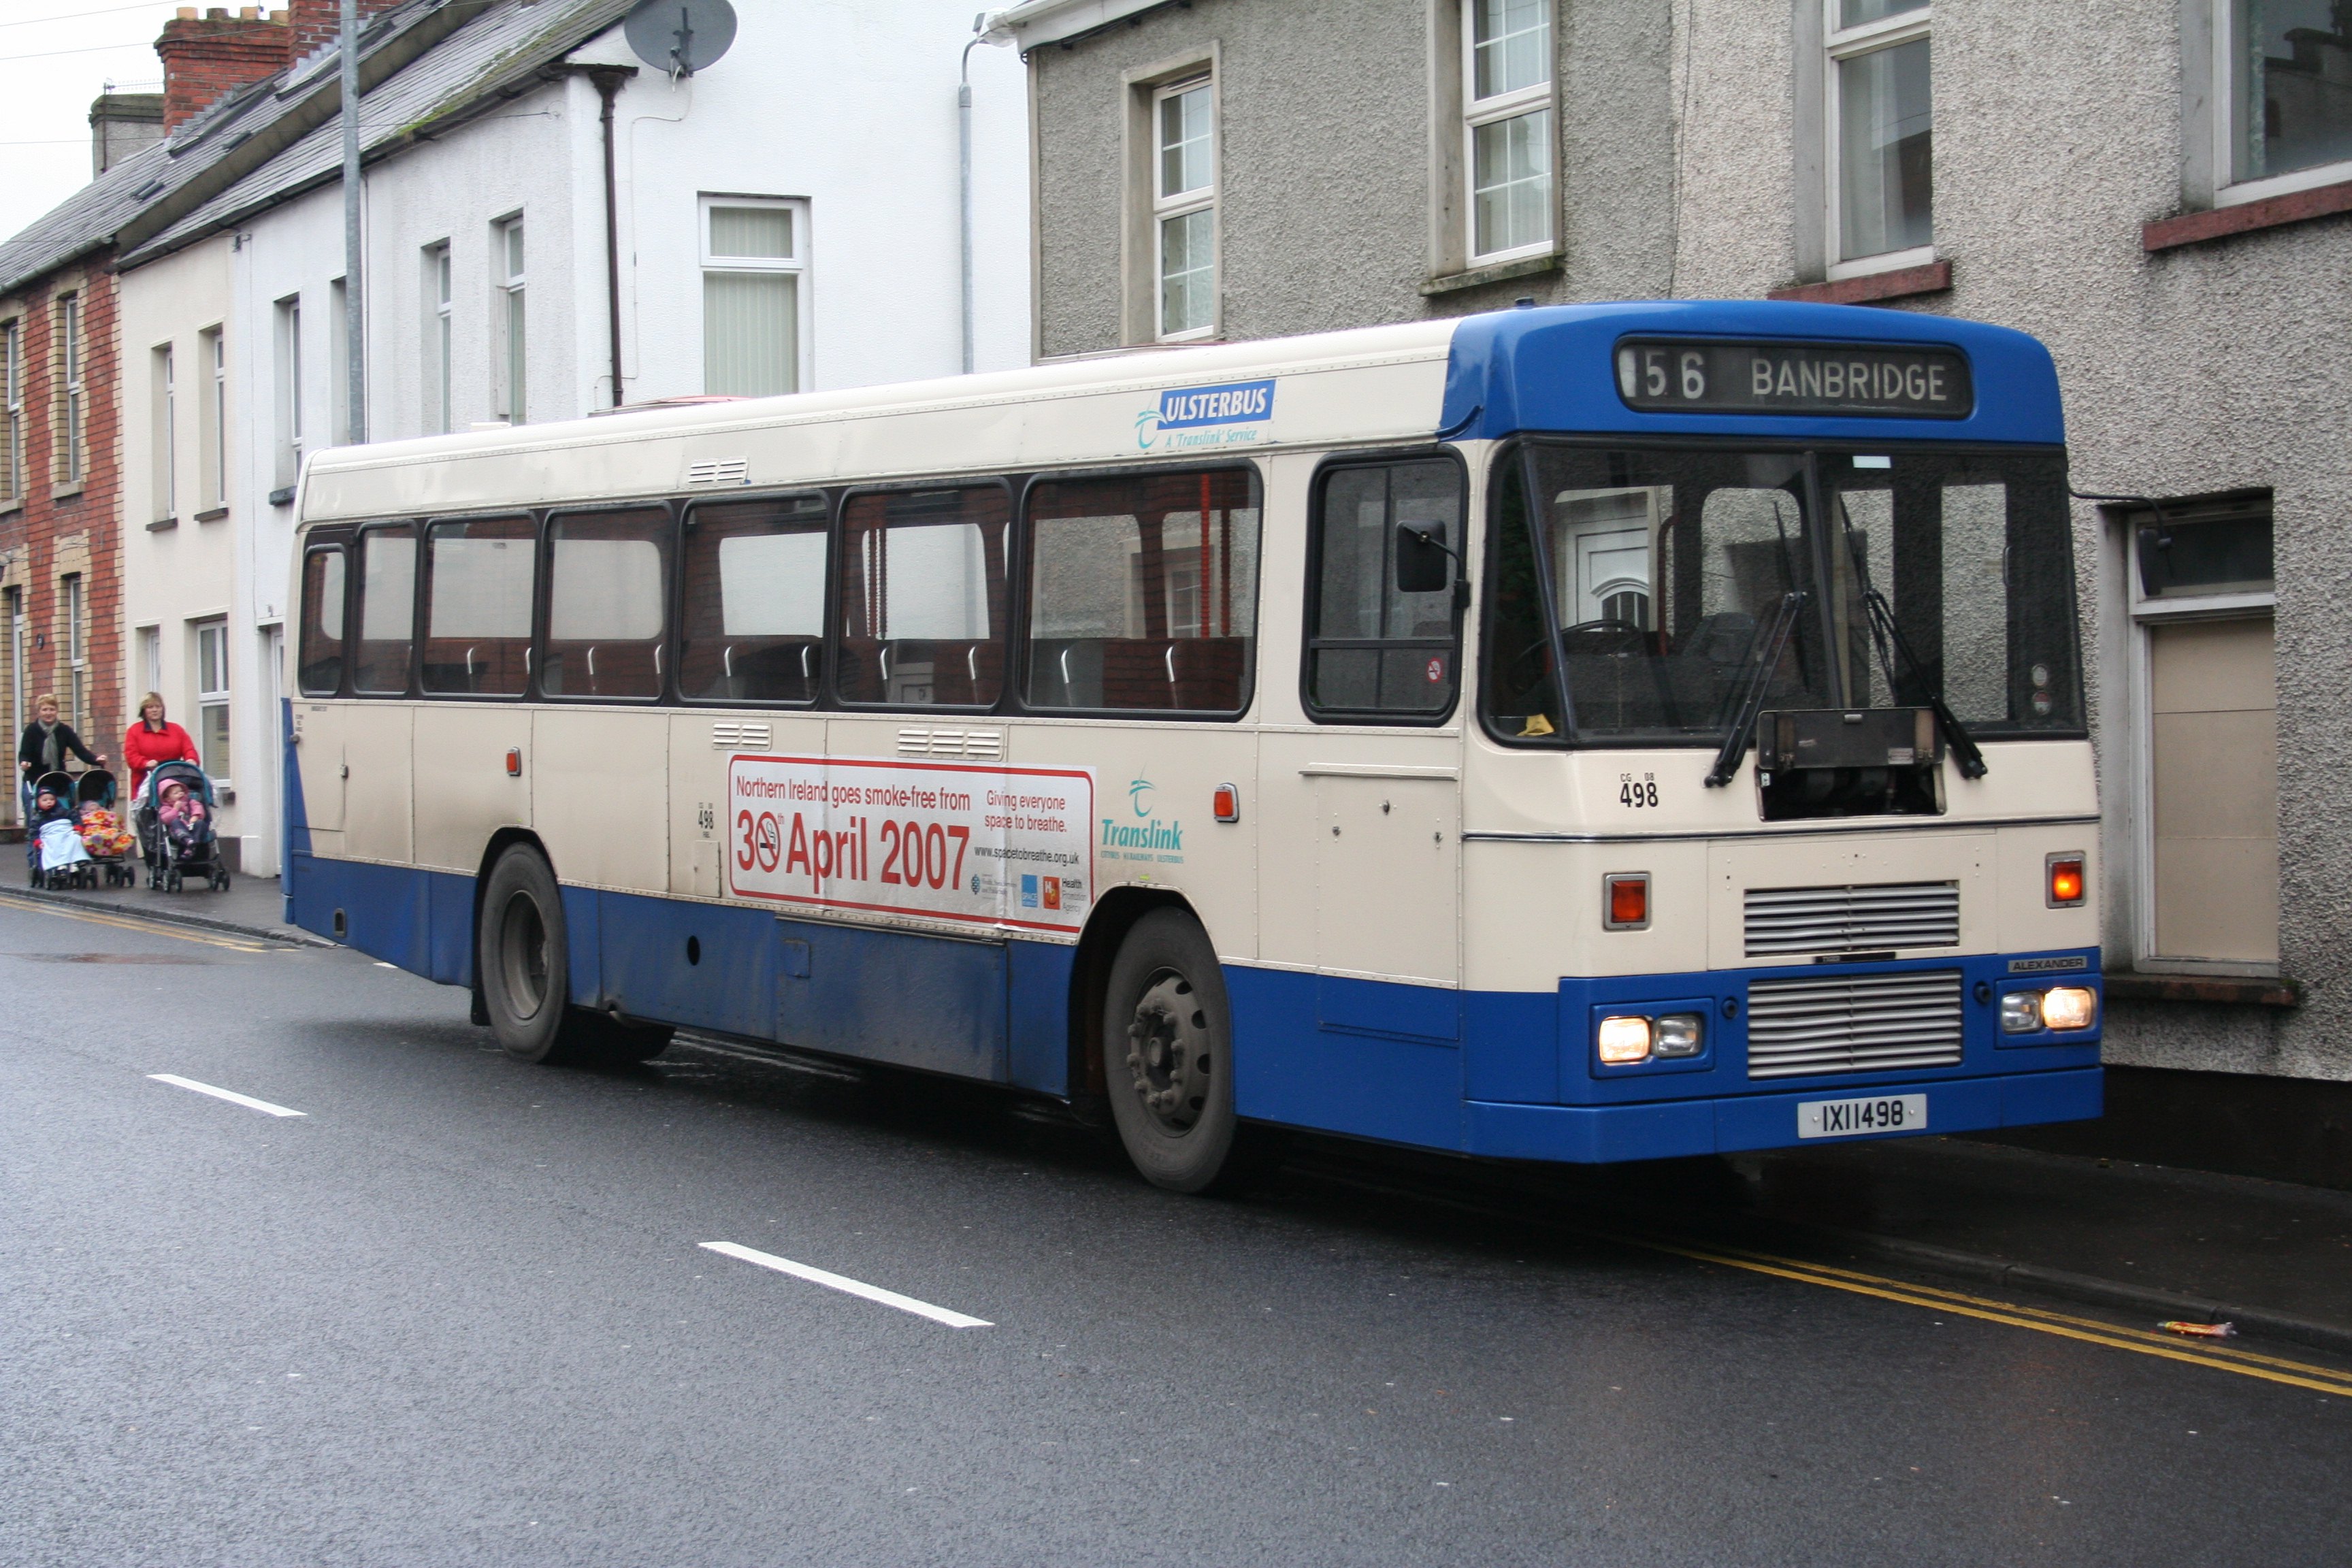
(1581, 733)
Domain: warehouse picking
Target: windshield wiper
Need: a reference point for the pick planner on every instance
(1884, 632)
(1759, 680)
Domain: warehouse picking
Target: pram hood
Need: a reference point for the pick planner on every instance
(95, 786)
(151, 793)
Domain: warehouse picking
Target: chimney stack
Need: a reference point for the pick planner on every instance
(319, 23)
(122, 123)
(207, 57)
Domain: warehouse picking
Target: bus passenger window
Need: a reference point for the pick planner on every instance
(320, 668)
(607, 580)
(388, 610)
(923, 596)
(754, 601)
(477, 597)
(1143, 592)
(1379, 643)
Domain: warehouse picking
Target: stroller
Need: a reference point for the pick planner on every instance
(101, 830)
(186, 844)
(54, 846)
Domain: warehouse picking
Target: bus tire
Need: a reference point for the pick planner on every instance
(1167, 1043)
(523, 957)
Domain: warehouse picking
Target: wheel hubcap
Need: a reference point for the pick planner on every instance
(525, 955)
(1168, 1052)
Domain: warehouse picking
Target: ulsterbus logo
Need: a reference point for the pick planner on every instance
(1194, 416)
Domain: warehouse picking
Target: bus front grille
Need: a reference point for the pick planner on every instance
(1848, 920)
(1862, 1023)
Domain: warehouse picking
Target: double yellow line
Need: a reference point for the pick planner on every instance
(2141, 1342)
(144, 927)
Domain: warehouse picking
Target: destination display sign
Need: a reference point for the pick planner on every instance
(1668, 376)
(988, 845)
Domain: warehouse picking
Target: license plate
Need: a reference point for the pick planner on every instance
(1852, 1117)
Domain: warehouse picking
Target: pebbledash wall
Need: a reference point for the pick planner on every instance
(2076, 196)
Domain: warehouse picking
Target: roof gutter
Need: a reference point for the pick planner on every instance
(1039, 22)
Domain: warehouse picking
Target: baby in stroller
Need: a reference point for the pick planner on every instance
(102, 833)
(53, 845)
(177, 826)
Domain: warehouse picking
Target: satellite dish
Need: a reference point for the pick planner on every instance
(680, 37)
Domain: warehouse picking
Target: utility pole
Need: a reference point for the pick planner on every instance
(354, 313)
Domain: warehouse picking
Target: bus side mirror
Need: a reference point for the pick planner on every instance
(1420, 558)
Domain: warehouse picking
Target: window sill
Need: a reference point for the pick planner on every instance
(2246, 217)
(1500, 272)
(212, 514)
(64, 492)
(2126, 985)
(285, 497)
(1901, 283)
(161, 523)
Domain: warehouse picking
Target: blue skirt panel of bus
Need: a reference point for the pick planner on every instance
(983, 1009)
(1597, 1133)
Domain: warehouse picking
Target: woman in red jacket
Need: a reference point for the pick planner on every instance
(154, 739)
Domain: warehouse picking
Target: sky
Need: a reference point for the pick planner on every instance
(56, 56)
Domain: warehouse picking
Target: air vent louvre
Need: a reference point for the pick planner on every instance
(1853, 918)
(1857, 1023)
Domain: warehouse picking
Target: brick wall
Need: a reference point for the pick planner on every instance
(64, 525)
(316, 22)
(205, 57)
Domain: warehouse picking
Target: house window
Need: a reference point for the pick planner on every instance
(2201, 599)
(513, 389)
(212, 698)
(212, 421)
(1184, 207)
(2289, 104)
(437, 340)
(73, 609)
(167, 497)
(71, 396)
(289, 393)
(752, 257)
(149, 655)
(1882, 133)
(339, 366)
(1507, 95)
(12, 411)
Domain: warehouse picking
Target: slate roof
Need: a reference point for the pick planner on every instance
(423, 63)
(489, 58)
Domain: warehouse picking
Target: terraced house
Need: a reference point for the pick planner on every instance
(2158, 189)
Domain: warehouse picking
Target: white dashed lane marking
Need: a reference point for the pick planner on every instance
(176, 1081)
(844, 1283)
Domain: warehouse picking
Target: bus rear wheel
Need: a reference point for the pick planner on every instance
(523, 959)
(1167, 1043)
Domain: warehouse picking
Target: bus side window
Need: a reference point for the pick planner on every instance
(754, 627)
(477, 597)
(388, 610)
(319, 669)
(923, 596)
(607, 580)
(1380, 643)
(1143, 592)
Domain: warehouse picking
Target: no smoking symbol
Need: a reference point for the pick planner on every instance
(767, 841)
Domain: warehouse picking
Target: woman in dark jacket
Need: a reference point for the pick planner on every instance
(48, 741)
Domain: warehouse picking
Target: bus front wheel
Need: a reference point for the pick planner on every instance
(523, 959)
(1167, 1043)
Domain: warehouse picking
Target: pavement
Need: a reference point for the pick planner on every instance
(398, 1299)
(2272, 1259)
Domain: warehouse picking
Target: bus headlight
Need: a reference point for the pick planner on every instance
(1679, 1035)
(1624, 1041)
(2069, 1008)
(2021, 1013)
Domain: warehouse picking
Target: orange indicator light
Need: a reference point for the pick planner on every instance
(2066, 879)
(1628, 901)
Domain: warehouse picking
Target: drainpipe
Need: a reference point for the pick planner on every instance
(608, 80)
(963, 174)
(354, 312)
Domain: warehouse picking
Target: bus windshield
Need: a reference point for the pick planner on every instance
(1650, 579)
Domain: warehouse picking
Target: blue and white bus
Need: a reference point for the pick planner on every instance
(1589, 733)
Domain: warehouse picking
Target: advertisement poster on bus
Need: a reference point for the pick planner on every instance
(979, 844)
